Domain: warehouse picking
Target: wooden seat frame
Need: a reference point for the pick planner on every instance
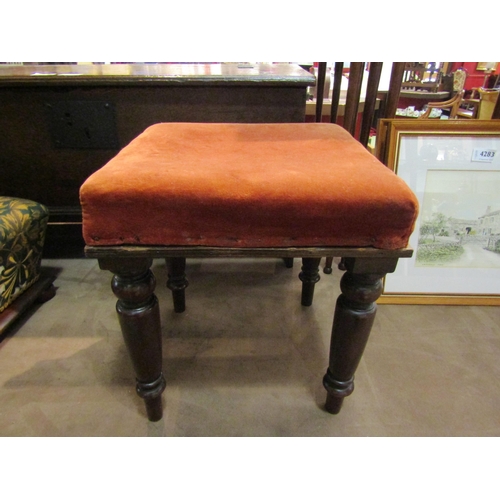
(138, 309)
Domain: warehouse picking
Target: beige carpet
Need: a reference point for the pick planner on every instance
(246, 359)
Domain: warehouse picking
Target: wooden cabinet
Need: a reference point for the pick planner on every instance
(61, 123)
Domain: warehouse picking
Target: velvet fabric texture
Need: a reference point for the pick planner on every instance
(247, 185)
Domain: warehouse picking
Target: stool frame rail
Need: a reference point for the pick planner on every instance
(133, 284)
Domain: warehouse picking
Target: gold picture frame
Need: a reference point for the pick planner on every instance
(486, 66)
(453, 167)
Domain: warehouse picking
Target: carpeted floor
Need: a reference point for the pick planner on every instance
(245, 359)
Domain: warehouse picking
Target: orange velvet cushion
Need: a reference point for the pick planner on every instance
(247, 185)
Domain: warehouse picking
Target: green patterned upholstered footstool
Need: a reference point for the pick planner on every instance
(23, 225)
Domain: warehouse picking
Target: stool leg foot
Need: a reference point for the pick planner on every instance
(139, 316)
(151, 393)
(352, 323)
(154, 409)
(177, 282)
(328, 265)
(309, 277)
(333, 404)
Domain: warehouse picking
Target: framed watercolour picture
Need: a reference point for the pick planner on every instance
(453, 167)
(486, 66)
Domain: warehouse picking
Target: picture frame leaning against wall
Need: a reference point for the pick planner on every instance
(453, 166)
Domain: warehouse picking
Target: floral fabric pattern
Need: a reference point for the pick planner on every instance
(23, 225)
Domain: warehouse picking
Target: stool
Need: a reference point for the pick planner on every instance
(23, 225)
(195, 190)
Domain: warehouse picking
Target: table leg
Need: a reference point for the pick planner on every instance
(361, 286)
(138, 313)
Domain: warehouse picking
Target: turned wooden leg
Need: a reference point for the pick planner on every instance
(328, 265)
(138, 312)
(309, 277)
(288, 262)
(177, 282)
(361, 286)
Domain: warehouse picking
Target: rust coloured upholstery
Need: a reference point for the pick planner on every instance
(247, 185)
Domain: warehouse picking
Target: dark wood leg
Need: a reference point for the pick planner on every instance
(288, 262)
(138, 312)
(177, 282)
(328, 265)
(309, 277)
(355, 312)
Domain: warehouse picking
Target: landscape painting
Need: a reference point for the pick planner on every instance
(460, 220)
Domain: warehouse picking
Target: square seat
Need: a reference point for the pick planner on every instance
(247, 186)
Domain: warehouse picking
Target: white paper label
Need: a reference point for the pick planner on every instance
(485, 155)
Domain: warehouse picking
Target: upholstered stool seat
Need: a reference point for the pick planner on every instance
(23, 225)
(207, 189)
(246, 185)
